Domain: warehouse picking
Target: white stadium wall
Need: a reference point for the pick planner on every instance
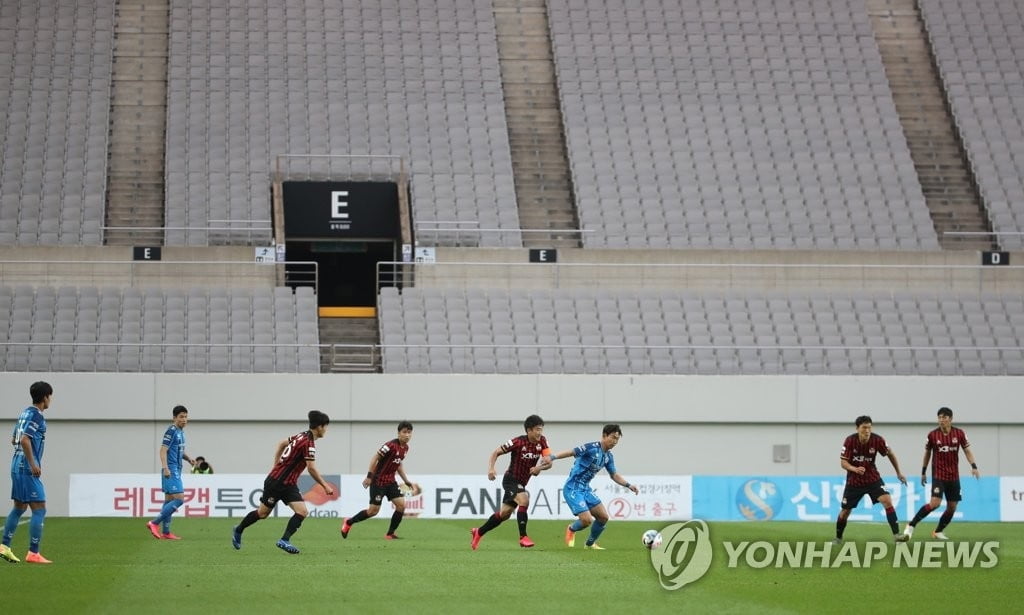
(672, 425)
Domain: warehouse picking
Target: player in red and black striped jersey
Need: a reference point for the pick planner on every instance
(529, 457)
(381, 480)
(292, 456)
(945, 443)
(862, 478)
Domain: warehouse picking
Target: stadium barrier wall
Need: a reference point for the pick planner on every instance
(672, 425)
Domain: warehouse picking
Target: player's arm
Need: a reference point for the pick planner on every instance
(191, 462)
(619, 480)
(562, 454)
(401, 472)
(280, 450)
(166, 471)
(498, 452)
(849, 467)
(896, 466)
(311, 468)
(970, 459)
(543, 464)
(26, 446)
(924, 464)
(372, 468)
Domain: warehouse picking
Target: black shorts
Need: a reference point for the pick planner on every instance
(853, 494)
(389, 491)
(275, 491)
(949, 489)
(512, 489)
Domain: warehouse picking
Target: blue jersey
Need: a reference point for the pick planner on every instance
(32, 424)
(174, 440)
(590, 458)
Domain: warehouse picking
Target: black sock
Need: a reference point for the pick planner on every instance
(840, 527)
(249, 519)
(359, 516)
(890, 516)
(521, 518)
(293, 526)
(492, 522)
(921, 514)
(944, 520)
(396, 518)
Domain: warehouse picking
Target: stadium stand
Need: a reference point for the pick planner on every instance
(979, 50)
(733, 125)
(55, 75)
(252, 80)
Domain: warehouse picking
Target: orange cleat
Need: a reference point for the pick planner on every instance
(525, 542)
(154, 529)
(36, 558)
(474, 542)
(170, 536)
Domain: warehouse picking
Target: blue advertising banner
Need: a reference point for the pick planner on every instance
(818, 498)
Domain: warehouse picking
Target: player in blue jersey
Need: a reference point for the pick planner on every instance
(172, 452)
(591, 458)
(26, 472)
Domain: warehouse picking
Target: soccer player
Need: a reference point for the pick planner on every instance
(529, 458)
(171, 452)
(946, 442)
(380, 478)
(583, 502)
(26, 469)
(292, 456)
(862, 478)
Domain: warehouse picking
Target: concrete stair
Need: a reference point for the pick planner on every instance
(138, 124)
(948, 184)
(534, 118)
(349, 345)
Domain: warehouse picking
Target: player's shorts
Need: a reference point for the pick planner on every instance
(26, 488)
(275, 491)
(389, 491)
(512, 489)
(172, 485)
(949, 489)
(580, 501)
(853, 494)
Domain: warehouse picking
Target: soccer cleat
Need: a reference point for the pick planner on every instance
(474, 542)
(236, 538)
(525, 542)
(837, 541)
(36, 558)
(900, 537)
(908, 531)
(154, 529)
(346, 527)
(7, 554)
(594, 547)
(392, 537)
(570, 537)
(287, 547)
(170, 536)
(939, 536)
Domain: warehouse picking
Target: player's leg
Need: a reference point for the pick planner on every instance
(951, 489)
(885, 500)
(577, 502)
(600, 515)
(376, 497)
(174, 497)
(35, 532)
(522, 517)
(396, 517)
(290, 495)
(504, 512)
(11, 526)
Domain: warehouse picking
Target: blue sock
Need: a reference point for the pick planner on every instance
(595, 532)
(12, 524)
(164, 519)
(35, 529)
(576, 526)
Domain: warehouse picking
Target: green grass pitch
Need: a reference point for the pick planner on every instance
(115, 566)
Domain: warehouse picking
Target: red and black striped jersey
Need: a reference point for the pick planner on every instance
(945, 448)
(389, 456)
(524, 455)
(300, 448)
(862, 455)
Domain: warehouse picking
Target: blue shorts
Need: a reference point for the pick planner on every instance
(172, 485)
(26, 488)
(580, 501)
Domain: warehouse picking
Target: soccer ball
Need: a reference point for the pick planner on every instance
(651, 539)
